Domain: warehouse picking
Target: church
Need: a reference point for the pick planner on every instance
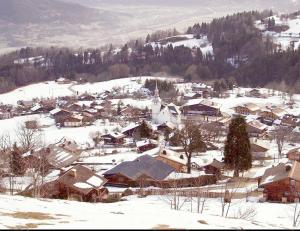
(164, 113)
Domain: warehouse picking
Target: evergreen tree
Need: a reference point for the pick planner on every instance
(237, 147)
(16, 163)
(144, 130)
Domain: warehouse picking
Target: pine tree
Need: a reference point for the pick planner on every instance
(16, 163)
(237, 147)
(144, 130)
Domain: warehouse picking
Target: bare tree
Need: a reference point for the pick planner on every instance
(190, 139)
(227, 193)
(281, 136)
(27, 138)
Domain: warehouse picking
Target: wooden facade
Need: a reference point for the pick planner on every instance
(286, 190)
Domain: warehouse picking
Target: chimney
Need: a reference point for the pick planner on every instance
(73, 172)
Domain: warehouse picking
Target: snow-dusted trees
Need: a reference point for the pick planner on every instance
(281, 135)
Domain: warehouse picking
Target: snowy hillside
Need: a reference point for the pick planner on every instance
(187, 40)
(152, 212)
(286, 37)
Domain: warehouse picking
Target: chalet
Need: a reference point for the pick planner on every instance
(294, 154)
(176, 160)
(281, 183)
(37, 108)
(256, 129)
(201, 107)
(272, 113)
(77, 183)
(143, 171)
(201, 87)
(58, 113)
(86, 97)
(75, 107)
(62, 80)
(72, 121)
(192, 95)
(82, 183)
(145, 145)
(258, 148)
(247, 109)
(130, 129)
(215, 168)
(224, 122)
(48, 104)
(87, 117)
(165, 126)
(25, 104)
(290, 120)
(254, 93)
(114, 138)
(55, 156)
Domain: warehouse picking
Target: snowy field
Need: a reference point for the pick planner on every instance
(286, 37)
(152, 212)
(190, 42)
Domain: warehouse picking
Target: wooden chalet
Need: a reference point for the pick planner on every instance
(114, 138)
(258, 148)
(214, 168)
(63, 80)
(145, 145)
(256, 129)
(143, 171)
(254, 93)
(247, 109)
(72, 121)
(192, 95)
(197, 107)
(294, 154)
(177, 161)
(86, 97)
(59, 114)
(131, 129)
(272, 113)
(77, 183)
(281, 183)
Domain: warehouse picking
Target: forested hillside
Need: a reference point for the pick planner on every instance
(239, 52)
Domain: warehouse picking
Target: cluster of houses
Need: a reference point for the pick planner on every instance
(157, 163)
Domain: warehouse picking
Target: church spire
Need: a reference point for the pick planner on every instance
(156, 91)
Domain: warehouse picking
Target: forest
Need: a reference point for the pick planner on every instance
(259, 62)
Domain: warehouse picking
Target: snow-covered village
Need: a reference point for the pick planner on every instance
(175, 132)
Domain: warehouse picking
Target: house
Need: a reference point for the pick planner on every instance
(282, 182)
(86, 97)
(82, 183)
(202, 107)
(256, 129)
(215, 168)
(177, 161)
(72, 121)
(130, 129)
(165, 127)
(192, 95)
(37, 108)
(258, 148)
(114, 138)
(48, 104)
(143, 171)
(76, 183)
(58, 114)
(272, 114)
(254, 93)
(145, 145)
(247, 109)
(294, 154)
(62, 80)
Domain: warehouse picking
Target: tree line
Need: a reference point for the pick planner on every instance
(240, 52)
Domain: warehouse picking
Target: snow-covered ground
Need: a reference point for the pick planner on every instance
(190, 42)
(148, 213)
(286, 37)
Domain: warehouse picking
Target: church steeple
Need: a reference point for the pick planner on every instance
(156, 94)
